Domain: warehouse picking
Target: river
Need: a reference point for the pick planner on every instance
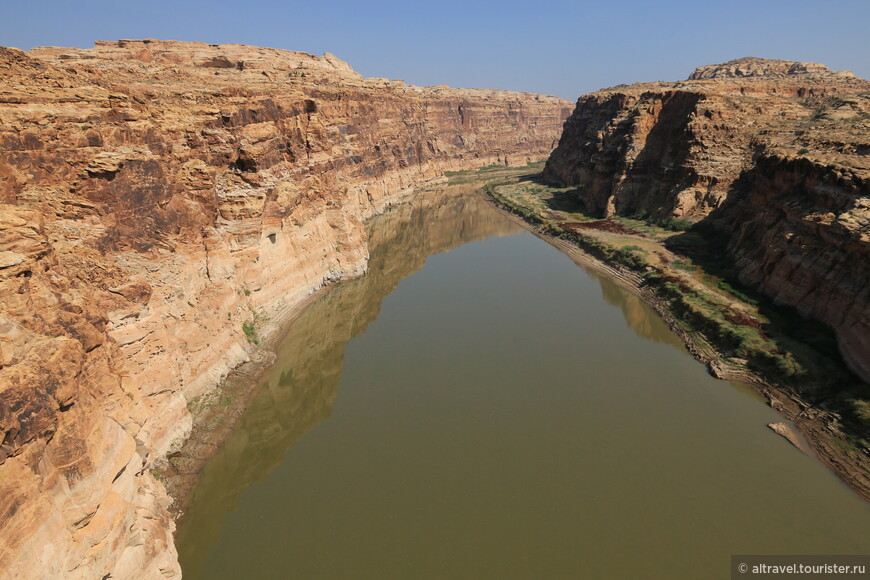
(479, 406)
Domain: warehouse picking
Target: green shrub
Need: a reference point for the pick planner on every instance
(631, 257)
(675, 224)
(250, 330)
(684, 265)
(861, 408)
(723, 285)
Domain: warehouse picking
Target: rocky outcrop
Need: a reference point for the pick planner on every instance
(790, 434)
(647, 153)
(750, 66)
(773, 152)
(163, 206)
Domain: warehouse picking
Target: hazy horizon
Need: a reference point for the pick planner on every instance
(558, 48)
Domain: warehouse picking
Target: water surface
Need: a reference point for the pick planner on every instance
(478, 406)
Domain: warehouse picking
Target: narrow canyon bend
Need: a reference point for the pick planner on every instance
(164, 206)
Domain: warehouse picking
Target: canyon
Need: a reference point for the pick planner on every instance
(164, 208)
(771, 156)
(167, 207)
(462, 398)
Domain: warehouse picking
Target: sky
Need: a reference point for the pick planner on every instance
(563, 48)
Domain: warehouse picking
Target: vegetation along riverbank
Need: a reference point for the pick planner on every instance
(680, 270)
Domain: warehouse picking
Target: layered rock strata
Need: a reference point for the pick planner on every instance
(776, 153)
(163, 206)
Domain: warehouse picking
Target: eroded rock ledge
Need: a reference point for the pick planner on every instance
(158, 201)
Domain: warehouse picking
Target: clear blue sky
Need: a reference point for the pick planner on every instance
(563, 48)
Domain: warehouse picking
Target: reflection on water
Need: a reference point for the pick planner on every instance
(639, 316)
(646, 323)
(300, 389)
(498, 419)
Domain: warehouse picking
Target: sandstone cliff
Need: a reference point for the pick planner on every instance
(162, 206)
(775, 153)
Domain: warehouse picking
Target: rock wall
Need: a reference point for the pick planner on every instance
(163, 206)
(803, 237)
(775, 152)
(648, 153)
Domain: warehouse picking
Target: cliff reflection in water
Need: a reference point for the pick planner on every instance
(638, 314)
(299, 391)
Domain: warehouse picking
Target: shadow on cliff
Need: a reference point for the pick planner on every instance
(603, 142)
(709, 244)
(661, 168)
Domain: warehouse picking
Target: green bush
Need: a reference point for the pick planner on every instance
(684, 265)
(250, 330)
(723, 285)
(675, 224)
(631, 257)
(861, 408)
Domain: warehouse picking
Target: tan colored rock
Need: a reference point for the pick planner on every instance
(159, 195)
(9, 259)
(789, 434)
(763, 67)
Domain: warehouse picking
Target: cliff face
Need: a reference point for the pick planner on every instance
(803, 237)
(643, 153)
(157, 199)
(775, 152)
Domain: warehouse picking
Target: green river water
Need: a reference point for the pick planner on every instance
(479, 406)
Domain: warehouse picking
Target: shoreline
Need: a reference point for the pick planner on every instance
(214, 422)
(815, 425)
(217, 413)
